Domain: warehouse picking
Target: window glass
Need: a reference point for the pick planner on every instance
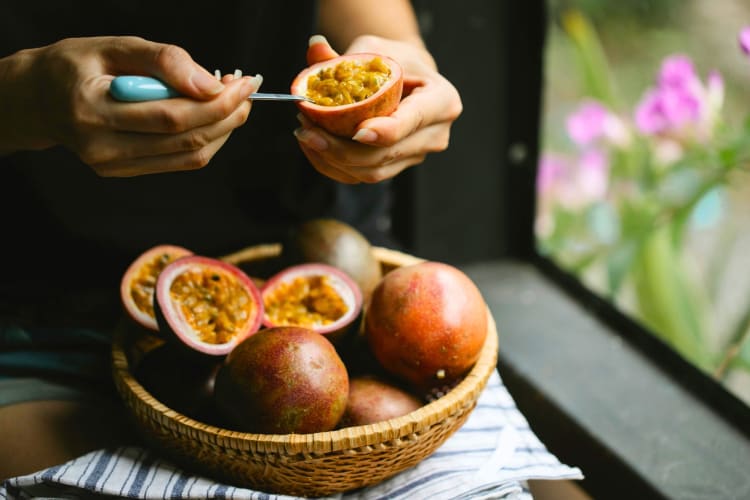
(643, 187)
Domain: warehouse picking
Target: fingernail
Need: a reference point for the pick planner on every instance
(365, 135)
(206, 82)
(311, 139)
(317, 39)
(250, 85)
(303, 120)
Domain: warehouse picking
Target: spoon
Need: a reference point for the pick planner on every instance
(145, 88)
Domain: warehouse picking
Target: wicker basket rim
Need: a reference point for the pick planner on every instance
(464, 394)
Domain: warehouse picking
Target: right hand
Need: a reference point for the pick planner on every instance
(63, 99)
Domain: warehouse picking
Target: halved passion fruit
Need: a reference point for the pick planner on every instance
(349, 89)
(208, 304)
(316, 296)
(138, 282)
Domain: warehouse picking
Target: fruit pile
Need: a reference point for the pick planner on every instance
(325, 341)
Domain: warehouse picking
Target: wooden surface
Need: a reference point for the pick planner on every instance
(603, 406)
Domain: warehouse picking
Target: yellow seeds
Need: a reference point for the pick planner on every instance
(304, 301)
(214, 304)
(347, 82)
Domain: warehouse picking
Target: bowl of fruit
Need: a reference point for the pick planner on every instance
(308, 367)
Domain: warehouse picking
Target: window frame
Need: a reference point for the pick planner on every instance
(445, 210)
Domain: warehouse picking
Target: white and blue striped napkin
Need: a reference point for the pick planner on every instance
(491, 456)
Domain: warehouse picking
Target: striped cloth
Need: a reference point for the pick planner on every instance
(491, 456)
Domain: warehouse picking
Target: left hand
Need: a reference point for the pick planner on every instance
(385, 146)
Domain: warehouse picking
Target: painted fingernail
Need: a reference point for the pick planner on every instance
(206, 82)
(311, 139)
(365, 135)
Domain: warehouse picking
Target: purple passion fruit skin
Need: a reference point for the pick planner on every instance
(208, 306)
(373, 399)
(139, 281)
(283, 380)
(342, 120)
(426, 324)
(316, 296)
(179, 384)
(338, 244)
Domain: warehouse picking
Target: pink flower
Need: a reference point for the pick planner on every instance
(680, 103)
(593, 175)
(551, 172)
(744, 39)
(677, 71)
(592, 123)
(587, 123)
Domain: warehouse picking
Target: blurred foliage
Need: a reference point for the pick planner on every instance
(625, 215)
(602, 13)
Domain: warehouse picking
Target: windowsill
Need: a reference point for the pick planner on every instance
(600, 404)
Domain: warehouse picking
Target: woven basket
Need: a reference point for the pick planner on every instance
(303, 464)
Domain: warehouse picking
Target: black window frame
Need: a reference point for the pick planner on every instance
(474, 205)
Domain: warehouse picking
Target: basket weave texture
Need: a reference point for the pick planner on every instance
(315, 464)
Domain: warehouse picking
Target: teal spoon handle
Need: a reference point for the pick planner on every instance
(146, 88)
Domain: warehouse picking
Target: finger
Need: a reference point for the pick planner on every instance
(170, 63)
(123, 146)
(319, 50)
(326, 169)
(177, 115)
(369, 175)
(426, 105)
(350, 155)
(175, 162)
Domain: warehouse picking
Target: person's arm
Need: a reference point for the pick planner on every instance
(58, 95)
(344, 20)
(382, 147)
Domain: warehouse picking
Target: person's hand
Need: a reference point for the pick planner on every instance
(384, 146)
(62, 98)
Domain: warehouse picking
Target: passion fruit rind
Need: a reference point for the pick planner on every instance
(208, 305)
(312, 295)
(336, 243)
(343, 120)
(139, 281)
(283, 380)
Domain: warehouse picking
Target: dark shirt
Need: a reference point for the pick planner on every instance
(68, 233)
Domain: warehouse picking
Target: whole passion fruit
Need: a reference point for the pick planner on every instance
(182, 385)
(372, 399)
(426, 324)
(209, 305)
(316, 296)
(349, 89)
(283, 380)
(139, 281)
(337, 244)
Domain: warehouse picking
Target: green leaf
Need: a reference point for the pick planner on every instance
(665, 300)
(743, 360)
(619, 264)
(597, 77)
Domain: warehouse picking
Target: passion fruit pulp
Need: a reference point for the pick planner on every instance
(283, 380)
(314, 296)
(208, 305)
(139, 281)
(349, 89)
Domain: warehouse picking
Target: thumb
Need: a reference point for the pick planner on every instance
(170, 63)
(176, 68)
(319, 50)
